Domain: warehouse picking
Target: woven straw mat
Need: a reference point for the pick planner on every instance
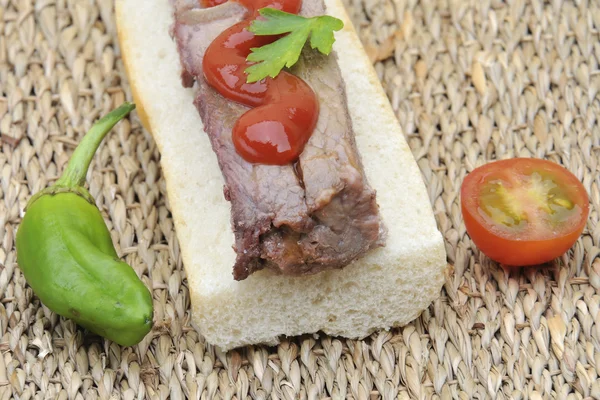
(470, 81)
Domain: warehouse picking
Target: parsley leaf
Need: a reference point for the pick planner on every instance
(284, 52)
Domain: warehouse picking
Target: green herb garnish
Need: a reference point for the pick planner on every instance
(284, 52)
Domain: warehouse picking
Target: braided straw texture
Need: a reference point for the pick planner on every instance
(471, 81)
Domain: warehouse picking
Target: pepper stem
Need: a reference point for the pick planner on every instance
(76, 171)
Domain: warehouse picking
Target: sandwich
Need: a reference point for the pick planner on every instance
(298, 205)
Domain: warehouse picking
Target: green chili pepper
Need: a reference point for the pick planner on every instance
(67, 256)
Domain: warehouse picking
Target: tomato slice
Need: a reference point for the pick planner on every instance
(523, 211)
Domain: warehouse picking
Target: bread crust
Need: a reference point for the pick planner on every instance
(388, 287)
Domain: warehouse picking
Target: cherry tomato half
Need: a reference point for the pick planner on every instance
(523, 211)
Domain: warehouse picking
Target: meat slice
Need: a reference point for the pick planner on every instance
(262, 197)
(317, 214)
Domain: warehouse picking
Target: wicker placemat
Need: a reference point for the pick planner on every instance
(471, 81)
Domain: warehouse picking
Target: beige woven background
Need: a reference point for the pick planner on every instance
(470, 81)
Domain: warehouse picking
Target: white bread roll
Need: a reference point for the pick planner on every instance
(390, 286)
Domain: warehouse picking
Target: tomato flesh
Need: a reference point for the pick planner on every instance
(523, 211)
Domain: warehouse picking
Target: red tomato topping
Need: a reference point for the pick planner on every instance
(211, 3)
(523, 211)
(285, 109)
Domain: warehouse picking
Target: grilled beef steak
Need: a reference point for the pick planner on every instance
(316, 214)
